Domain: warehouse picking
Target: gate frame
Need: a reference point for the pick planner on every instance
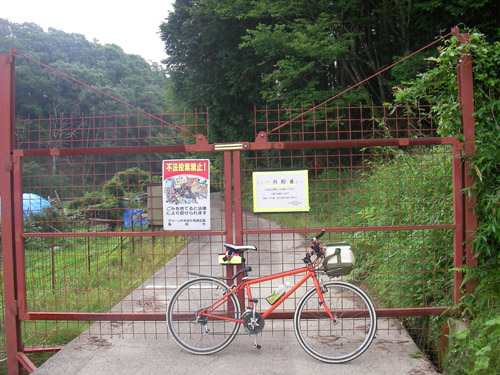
(464, 225)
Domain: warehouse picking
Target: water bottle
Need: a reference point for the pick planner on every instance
(278, 292)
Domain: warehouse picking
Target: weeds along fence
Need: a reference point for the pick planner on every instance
(97, 262)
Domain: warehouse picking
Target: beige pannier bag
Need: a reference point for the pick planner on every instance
(339, 259)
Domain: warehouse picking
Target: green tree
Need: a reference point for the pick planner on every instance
(207, 69)
(40, 91)
(322, 47)
(228, 55)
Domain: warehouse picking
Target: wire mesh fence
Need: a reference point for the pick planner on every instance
(378, 178)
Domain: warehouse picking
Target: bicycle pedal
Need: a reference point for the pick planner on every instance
(256, 344)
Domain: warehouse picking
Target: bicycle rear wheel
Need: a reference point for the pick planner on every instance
(340, 341)
(200, 334)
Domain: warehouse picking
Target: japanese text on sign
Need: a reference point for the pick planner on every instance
(186, 194)
(280, 191)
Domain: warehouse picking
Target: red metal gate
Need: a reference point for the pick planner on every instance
(80, 261)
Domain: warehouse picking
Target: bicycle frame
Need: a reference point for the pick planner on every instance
(347, 316)
(247, 283)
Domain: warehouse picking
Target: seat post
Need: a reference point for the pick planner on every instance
(241, 295)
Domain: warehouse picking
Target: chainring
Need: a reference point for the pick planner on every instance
(253, 326)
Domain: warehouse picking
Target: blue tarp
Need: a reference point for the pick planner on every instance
(34, 204)
(133, 217)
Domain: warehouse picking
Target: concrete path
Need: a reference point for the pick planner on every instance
(145, 348)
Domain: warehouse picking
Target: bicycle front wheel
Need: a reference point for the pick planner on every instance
(345, 338)
(200, 334)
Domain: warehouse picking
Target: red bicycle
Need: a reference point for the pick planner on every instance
(334, 322)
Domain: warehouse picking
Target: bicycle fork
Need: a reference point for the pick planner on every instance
(320, 289)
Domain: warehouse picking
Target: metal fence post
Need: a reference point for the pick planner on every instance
(458, 221)
(238, 209)
(12, 321)
(228, 204)
(466, 100)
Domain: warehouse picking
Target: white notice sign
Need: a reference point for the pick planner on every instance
(281, 191)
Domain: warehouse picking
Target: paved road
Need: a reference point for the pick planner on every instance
(145, 348)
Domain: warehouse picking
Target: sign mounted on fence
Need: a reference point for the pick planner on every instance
(186, 194)
(281, 191)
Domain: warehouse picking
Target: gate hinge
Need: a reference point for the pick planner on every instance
(15, 306)
(8, 163)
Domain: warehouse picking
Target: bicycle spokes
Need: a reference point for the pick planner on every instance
(191, 323)
(344, 338)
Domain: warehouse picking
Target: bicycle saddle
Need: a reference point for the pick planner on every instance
(240, 248)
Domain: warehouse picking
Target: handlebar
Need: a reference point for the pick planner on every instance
(319, 235)
(315, 246)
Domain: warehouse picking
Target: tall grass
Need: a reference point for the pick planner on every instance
(85, 275)
(91, 274)
(405, 268)
(393, 187)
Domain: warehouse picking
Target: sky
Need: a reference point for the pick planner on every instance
(131, 24)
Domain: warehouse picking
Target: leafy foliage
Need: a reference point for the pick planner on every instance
(404, 271)
(208, 70)
(438, 85)
(475, 350)
(115, 195)
(231, 55)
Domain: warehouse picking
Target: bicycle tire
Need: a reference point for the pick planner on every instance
(189, 332)
(349, 336)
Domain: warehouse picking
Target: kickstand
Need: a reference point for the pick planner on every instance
(256, 343)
